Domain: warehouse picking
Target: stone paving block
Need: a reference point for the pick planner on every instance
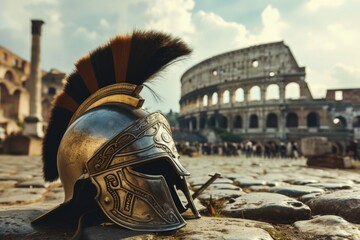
(295, 191)
(21, 195)
(309, 196)
(329, 227)
(269, 207)
(344, 203)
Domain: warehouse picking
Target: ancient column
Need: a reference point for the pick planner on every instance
(33, 123)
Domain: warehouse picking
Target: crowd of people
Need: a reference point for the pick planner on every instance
(247, 149)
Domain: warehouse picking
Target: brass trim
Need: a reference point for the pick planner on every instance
(125, 93)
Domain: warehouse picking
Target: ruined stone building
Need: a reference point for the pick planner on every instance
(14, 95)
(261, 94)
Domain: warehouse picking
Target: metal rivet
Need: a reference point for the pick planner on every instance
(107, 200)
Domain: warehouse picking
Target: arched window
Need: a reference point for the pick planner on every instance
(197, 102)
(226, 96)
(254, 121)
(238, 123)
(292, 91)
(292, 120)
(223, 123)
(313, 120)
(9, 76)
(255, 94)
(193, 123)
(205, 100)
(202, 122)
(272, 92)
(214, 98)
(339, 122)
(211, 122)
(271, 121)
(239, 95)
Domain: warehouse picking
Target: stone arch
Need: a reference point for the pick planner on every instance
(292, 91)
(272, 92)
(192, 124)
(9, 76)
(292, 120)
(255, 93)
(271, 120)
(340, 122)
(9, 102)
(239, 95)
(223, 122)
(197, 102)
(313, 120)
(214, 98)
(238, 122)
(205, 100)
(254, 121)
(211, 122)
(202, 122)
(226, 97)
(356, 122)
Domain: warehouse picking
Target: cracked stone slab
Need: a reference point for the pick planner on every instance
(269, 207)
(344, 203)
(329, 227)
(295, 190)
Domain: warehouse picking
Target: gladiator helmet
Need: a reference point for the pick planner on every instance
(113, 158)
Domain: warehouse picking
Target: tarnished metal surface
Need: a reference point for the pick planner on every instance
(107, 145)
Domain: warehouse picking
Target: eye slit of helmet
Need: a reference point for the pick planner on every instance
(173, 180)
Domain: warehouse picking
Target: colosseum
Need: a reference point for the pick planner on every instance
(260, 93)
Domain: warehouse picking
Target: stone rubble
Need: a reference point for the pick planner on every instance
(256, 199)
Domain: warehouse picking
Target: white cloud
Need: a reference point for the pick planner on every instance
(171, 16)
(343, 35)
(314, 5)
(86, 34)
(273, 26)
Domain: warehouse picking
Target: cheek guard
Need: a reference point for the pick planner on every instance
(137, 174)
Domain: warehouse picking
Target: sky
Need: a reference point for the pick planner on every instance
(322, 34)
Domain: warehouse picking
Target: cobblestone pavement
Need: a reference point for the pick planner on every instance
(256, 199)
